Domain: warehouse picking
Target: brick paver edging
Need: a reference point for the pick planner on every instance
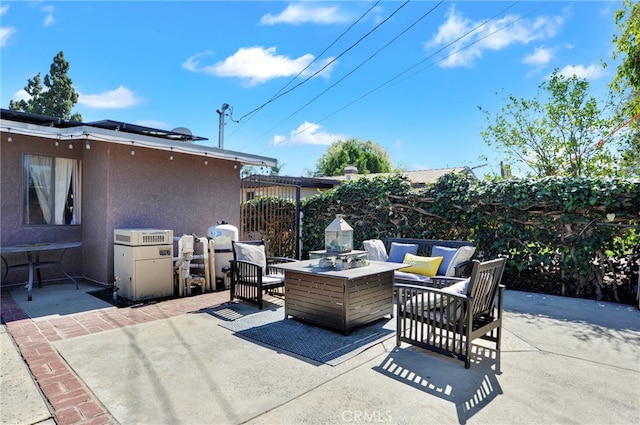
(71, 401)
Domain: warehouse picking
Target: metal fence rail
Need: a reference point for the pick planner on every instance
(270, 210)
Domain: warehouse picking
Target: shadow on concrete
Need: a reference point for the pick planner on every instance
(446, 378)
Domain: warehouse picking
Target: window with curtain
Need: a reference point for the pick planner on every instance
(52, 190)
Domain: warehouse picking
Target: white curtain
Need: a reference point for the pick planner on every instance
(40, 170)
(64, 168)
(77, 193)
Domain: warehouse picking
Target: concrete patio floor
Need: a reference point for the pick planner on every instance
(70, 358)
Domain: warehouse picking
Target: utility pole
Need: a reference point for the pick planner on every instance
(222, 113)
(505, 170)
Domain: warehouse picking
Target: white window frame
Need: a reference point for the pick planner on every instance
(48, 183)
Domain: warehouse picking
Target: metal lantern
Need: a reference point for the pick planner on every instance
(338, 236)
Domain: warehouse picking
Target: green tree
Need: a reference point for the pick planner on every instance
(563, 136)
(56, 98)
(627, 79)
(275, 171)
(368, 157)
(250, 170)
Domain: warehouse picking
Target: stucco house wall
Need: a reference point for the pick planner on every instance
(12, 231)
(119, 190)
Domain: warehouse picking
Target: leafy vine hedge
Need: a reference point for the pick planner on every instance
(569, 236)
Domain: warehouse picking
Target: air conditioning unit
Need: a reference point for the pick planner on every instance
(142, 237)
(143, 263)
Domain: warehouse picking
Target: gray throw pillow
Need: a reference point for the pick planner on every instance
(252, 253)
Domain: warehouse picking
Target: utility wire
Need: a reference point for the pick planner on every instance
(470, 44)
(315, 59)
(279, 94)
(359, 65)
(388, 82)
(366, 60)
(340, 55)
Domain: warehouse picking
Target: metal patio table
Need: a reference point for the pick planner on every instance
(34, 264)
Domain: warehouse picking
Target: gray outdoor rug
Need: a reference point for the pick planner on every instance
(307, 340)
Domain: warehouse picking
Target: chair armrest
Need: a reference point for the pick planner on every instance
(278, 260)
(245, 269)
(427, 289)
(238, 262)
(444, 281)
(420, 302)
(463, 269)
(433, 282)
(272, 264)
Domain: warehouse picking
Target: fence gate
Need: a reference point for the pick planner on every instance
(270, 210)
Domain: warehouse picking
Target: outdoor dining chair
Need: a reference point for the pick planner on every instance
(253, 272)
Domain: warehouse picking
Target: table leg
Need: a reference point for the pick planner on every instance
(5, 269)
(31, 269)
(63, 270)
(38, 270)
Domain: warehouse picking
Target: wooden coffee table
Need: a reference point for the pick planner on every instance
(338, 299)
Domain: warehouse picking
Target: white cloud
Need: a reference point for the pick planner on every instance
(257, 65)
(5, 35)
(589, 72)
(278, 140)
(5, 32)
(495, 35)
(541, 56)
(193, 63)
(48, 21)
(119, 98)
(307, 134)
(302, 13)
(21, 95)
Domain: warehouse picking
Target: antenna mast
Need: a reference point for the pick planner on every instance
(221, 124)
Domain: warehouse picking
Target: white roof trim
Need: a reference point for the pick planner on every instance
(85, 132)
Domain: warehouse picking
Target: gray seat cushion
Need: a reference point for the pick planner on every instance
(405, 276)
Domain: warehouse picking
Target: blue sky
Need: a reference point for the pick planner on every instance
(301, 75)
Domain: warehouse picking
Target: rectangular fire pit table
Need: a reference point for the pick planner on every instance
(338, 299)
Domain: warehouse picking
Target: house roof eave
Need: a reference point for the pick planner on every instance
(79, 131)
